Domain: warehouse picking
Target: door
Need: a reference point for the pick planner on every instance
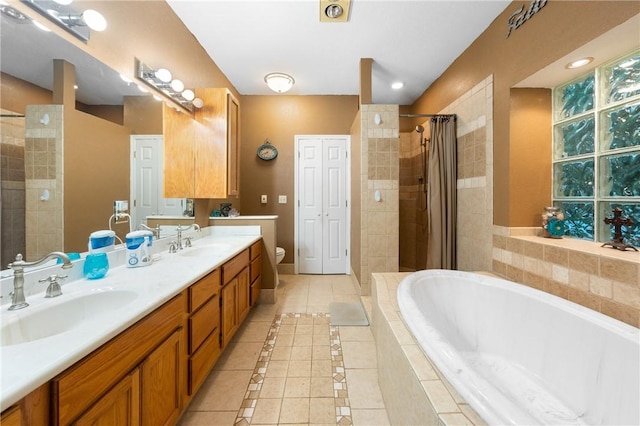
(322, 199)
(147, 180)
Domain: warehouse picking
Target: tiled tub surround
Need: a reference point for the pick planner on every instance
(521, 356)
(602, 279)
(413, 391)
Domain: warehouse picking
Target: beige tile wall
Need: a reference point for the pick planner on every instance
(380, 171)
(601, 279)
(12, 187)
(44, 171)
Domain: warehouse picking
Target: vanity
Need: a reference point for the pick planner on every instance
(144, 342)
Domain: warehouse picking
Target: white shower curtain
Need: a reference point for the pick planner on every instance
(441, 199)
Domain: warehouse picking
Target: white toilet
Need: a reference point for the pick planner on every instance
(279, 254)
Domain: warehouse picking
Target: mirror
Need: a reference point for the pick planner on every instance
(27, 55)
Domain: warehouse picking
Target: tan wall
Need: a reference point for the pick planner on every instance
(16, 94)
(279, 119)
(530, 137)
(559, 28)
(356, 188)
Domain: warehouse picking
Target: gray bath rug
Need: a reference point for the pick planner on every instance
(351, 313)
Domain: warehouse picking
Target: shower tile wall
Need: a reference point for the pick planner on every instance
(413, 217)
(379, 171)
(475, 175)
(44, 171)
(12, 188)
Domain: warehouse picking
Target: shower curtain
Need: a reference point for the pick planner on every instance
(441, 201)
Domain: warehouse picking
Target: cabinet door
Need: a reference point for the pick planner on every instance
(243, 294)
(161, 383)
(179, 154)
(233, 139)
(211, 144)
(119, 406)
(12, 417)
(229, 314)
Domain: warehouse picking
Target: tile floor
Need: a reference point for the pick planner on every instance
(287, 365)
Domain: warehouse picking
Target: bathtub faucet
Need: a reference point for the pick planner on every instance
(18, 300)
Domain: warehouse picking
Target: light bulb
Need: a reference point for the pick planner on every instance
(164, 75)
(94, 20)
(198, 103)
(177, 85)
(188, 95)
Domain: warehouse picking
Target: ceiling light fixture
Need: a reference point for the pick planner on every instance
(397, 85)
(334, 10)
(171, 88)
(279, 82)
(579, 63)
(66, 16)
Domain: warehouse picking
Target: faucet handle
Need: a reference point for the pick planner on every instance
(187, 241)
(173, 247)
(54, 289)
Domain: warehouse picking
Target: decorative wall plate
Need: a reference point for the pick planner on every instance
(266, 151)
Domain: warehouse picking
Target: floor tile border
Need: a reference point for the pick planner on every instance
(340, 388)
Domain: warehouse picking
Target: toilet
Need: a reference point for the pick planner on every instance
(279, 254)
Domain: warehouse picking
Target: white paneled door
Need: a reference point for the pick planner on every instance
(146, 180)
(322, 199)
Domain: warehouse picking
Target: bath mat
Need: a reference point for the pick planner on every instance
(347, 314)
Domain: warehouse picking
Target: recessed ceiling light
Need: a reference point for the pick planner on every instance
(397, 85)
(579, 63)
(334, 11)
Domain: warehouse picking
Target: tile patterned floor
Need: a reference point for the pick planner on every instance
(288, 365)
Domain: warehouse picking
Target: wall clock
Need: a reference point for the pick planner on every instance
(266, 151)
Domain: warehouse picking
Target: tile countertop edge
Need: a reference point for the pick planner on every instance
(46, 358)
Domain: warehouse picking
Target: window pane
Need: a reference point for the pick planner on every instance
(620, 175)
(575, 138)
(620, 127)
(631, 233)
(575, 98)
(622, 80)
(573, 178)
(578, 219)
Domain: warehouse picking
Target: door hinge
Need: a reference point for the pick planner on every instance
(134, 203)
(135, 154)
(346, 252)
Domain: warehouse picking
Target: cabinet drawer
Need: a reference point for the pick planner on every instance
(78, 387)
(255, 249)
(203, 322)
(202, 361)
(234, 266)
(202, 291)
(256, 268)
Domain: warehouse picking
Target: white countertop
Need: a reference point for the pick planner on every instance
(160, 216)
(26, 366)
(262, 217)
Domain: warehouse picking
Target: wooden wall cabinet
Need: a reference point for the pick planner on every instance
(201, 153)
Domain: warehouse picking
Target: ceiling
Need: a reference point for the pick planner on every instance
(409, 41)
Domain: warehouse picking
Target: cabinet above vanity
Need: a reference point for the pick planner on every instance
(201, 152)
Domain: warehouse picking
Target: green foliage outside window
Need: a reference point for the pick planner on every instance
(596, 164)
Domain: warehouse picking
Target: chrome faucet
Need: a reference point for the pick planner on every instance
(177, 245)
(18, 300)
(155, 230)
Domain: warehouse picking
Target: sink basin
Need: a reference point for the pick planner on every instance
(204, 251)
(55, 318)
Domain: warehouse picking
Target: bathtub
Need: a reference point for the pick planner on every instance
(521, 356)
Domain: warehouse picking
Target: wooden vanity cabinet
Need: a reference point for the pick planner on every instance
(201, 151)
(235, 295)
(203, 329)
(255, 272)
(137, 375)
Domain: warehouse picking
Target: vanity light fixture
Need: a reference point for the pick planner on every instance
(163, 81)
(579, 63)
(279, 82)
(62, 13)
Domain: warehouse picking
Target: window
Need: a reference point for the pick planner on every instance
(596, 149)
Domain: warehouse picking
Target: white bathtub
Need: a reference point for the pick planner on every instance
(522, 356)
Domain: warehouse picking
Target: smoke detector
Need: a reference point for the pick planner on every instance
(334, 10)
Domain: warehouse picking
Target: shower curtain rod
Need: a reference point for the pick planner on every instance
(455, 117)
